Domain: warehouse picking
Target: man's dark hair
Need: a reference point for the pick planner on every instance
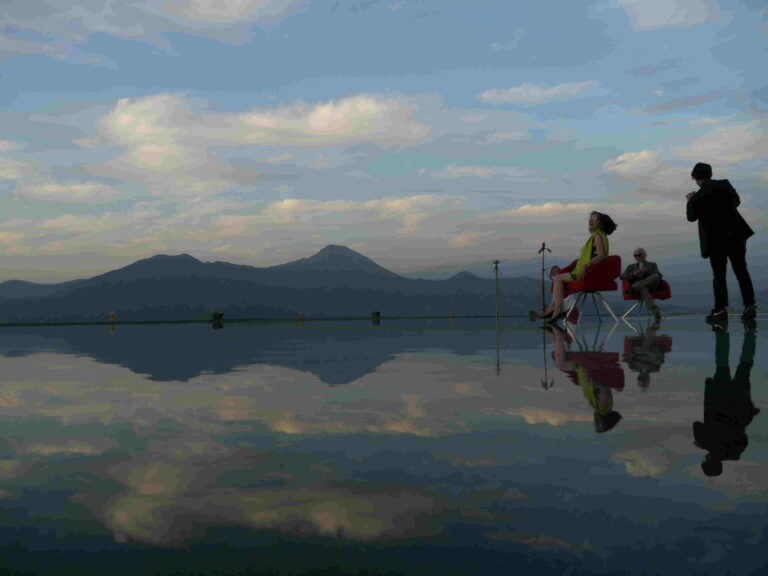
(701, 171)
(607, 224)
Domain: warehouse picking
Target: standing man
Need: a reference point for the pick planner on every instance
(643, 277)
(723, 236)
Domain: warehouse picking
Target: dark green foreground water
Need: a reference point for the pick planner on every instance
(409, 448)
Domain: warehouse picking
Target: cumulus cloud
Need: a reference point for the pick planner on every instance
(465, 239)
(350, 120)
(69, 192)
(409, 211)
(653, 14)
(168, 143)
(633, 164)
(639, 463)
(7, 146)
(14, 169)
(729, 144)
(532, 94)
(61, 29)
(549, 208)
(453, 171)
(154, 131)
(230, 11)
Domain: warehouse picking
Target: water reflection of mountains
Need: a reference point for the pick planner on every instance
(337, 354)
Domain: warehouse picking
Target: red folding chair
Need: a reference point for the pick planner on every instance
(663, 292)
(599, 278)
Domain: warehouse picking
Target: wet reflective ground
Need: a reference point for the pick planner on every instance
(409, 448)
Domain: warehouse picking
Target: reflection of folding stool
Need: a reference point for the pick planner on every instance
(663, 292)
(600, 278)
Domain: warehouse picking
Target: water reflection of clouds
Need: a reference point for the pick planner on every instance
(394, 453)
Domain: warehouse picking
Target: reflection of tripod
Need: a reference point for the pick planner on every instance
(728, 407)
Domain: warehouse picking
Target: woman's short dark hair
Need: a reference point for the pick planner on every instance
(606, 422)
(701, 171)
(607, 224)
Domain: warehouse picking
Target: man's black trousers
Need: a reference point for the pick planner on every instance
(736, 252)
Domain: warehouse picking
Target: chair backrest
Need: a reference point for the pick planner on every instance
(600, 278)
(663, 292)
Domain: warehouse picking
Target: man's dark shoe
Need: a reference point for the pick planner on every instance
(718, 315)
(718, 325)
(750, 326)
(749, 313)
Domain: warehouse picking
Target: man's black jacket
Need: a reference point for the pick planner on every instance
(714, 206)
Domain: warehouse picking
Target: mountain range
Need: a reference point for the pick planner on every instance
(335, 282)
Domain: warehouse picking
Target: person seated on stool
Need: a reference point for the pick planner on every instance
(643, 276)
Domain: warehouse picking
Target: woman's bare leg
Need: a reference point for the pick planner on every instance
(558, 290)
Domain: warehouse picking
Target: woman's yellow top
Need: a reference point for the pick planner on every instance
(588, 252)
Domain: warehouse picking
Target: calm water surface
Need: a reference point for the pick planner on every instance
(409, 448)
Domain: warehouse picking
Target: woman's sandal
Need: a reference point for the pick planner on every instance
(559, 316)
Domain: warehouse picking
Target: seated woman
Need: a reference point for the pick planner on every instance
(595, 250)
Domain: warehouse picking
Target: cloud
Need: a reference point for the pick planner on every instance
(276, 159)
(60, 29)
(168, 143)
(513, 173)
(640, 463)
(153, 131)
(209, 12)
(14, 169)
(551, 417)
(8, 146)
(711, 120)
(533, 94)
(653, 69)
(409, 211)
(464, 240)
(633, 164)
(654, 14)
(69, 192)
(73, 447)
(729, 144)
(687, 102)
(350, 120)
(549, 208)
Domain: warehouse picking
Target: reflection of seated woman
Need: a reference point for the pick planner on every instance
(594, 251)
(598, 374)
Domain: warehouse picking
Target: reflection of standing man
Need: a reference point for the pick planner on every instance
(643, 277)
(728, 407)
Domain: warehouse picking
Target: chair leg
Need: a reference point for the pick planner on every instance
(576, 301)
(607, 307)
(631, 309)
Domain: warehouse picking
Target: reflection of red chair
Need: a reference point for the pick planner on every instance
(663, 292)
(600, 278)
(602, 368)
(631, 343)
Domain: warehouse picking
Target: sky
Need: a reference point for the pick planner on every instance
(421, 133)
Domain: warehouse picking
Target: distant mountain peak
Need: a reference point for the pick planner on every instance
(336, 258)
(184, 257)
(464, 274)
